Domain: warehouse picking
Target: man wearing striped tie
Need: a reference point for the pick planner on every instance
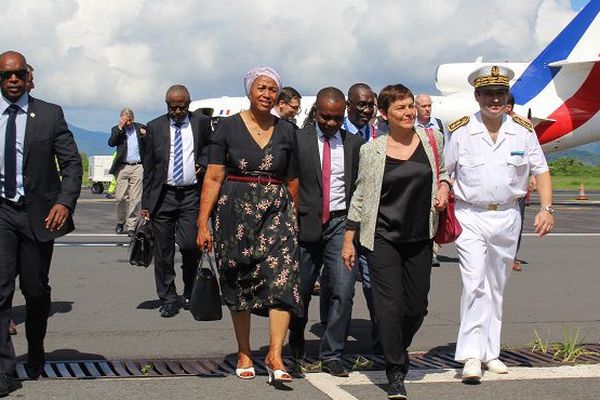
(173, 161)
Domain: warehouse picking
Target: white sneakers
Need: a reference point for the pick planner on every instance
(496, 366)
(471, 372)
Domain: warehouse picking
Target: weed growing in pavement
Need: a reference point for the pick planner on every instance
(539, 344)
(566, 352)
(145, 370)
(570, 349)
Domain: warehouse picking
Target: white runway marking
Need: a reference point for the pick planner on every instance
(565, 234)
(331, 385)
(94, 235)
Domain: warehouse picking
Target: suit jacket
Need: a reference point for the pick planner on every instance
(157, 149)
(48, 142)
(310, 209)
(364, 207)
(118, 138)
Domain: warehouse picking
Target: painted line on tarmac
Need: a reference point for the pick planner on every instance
(565, 234)
(66, 244)
(94, 235)
(332, 386)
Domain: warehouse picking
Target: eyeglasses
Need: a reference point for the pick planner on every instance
(295, 108)
(363, 105)
(20, 74)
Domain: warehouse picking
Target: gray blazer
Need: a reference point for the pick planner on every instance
(365, 200)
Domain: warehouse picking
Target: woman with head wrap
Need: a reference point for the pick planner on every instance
(250, 183)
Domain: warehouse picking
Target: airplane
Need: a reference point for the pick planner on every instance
(559, 91)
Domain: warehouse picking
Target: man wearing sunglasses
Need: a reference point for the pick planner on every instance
(37, 201)
(175, 153)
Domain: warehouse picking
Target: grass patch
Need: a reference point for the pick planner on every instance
(573, 182)
(567, 351)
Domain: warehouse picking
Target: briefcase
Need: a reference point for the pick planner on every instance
(205, 301)
(141, 247)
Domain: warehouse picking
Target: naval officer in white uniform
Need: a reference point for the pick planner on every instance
(491, 156)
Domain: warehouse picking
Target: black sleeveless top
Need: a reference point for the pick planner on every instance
(405, 198)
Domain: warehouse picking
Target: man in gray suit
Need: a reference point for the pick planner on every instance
(327, 175)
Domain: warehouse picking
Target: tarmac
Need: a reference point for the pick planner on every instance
(104, 308)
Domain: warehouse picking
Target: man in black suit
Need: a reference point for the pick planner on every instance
(173, 162)
(327, 178)
(37, 201)
(129, 138)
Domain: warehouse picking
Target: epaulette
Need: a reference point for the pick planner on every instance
(523, 122)
(458, 123)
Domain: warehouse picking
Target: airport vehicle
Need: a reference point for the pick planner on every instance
(98, 172)
(558, 91)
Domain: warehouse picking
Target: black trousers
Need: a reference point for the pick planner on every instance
(175, 222)
(22, 255)
(400, 278)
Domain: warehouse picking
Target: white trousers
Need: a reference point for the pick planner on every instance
(486, 250)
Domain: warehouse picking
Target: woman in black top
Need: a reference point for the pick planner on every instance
(395, 207)
(252, 179)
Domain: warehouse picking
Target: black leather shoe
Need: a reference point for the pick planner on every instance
(396, 388)
(6, 384)
(34, 372)
(169, 310)
(119, 229)
(186, 303)
(335, 368)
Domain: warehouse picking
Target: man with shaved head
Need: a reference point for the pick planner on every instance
(327, 175)
(37, 200)
(173, 160)
(424, 117)
(426, 121)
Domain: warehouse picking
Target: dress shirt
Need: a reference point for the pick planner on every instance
(366, 132)
(133, 150)
(21, 122)
(488, 172)
(433, 124)
(189, 163)
(337, 187)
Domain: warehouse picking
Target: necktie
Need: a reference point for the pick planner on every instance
(178, 156)
(10, 153)
(326, 175)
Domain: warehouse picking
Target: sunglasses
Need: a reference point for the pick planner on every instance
(20, 74)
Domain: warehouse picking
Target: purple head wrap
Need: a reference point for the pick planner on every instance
(261, 71)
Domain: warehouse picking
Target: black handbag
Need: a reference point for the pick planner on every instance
(205, 302)
(141, 247)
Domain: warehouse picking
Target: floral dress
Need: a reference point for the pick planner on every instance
(254, 225)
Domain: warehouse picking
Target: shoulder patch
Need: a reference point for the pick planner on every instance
(523, 122)
(458, 123)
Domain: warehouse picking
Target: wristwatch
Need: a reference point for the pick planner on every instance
(548, 208)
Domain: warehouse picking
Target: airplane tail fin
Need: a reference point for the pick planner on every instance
(576, 45)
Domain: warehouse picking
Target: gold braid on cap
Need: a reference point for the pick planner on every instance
(488, 80)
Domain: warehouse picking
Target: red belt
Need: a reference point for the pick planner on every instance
(262, 179)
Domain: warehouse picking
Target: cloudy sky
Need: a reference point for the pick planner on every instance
(94, 57)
